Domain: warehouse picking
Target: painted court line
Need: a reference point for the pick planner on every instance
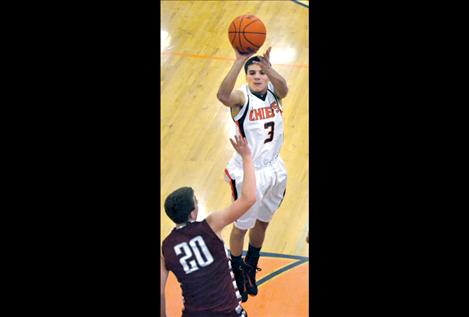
(280, 271)
(279, 255)
(201, 56)
(301, 260)
(302, 3)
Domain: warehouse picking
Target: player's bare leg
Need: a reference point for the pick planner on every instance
(257, 234)
(237, 263)
(256, 239)
(237, 241)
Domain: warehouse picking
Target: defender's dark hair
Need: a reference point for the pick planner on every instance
(249, 62)
(179, 204)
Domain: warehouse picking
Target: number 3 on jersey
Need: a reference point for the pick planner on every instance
(269, 125)
(195, 246)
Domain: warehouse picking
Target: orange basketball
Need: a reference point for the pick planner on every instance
(247, 33)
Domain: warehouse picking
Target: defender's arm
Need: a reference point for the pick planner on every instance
(218, 220)
(164, 278)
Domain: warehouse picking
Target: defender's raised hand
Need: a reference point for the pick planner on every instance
(241, 146)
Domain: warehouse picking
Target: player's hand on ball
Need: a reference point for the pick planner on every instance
(241, 146)
(242, 57)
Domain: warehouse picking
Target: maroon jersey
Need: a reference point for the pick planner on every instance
(200, 261)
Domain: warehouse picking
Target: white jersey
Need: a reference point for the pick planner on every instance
(261, 123)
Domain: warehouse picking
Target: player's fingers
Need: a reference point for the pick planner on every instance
(267, 56)
(260, 64)
(233, 143)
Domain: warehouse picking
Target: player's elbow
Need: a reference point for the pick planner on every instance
(224, 99)
(250, 200)
(283, 93)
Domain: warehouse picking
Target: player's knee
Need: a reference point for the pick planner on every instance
(238, 232)
(261, 225)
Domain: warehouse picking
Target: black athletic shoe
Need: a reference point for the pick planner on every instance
(250, 278)
(240, 282)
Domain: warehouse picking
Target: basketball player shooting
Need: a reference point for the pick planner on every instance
(257, 113)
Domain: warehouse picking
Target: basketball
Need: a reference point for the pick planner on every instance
(247, 33)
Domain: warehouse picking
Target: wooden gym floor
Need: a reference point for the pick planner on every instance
(195, 127)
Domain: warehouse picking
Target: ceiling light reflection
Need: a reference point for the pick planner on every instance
(282, 55)
(165, 40)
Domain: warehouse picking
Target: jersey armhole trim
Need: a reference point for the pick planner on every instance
(277, 99)
(245, 106)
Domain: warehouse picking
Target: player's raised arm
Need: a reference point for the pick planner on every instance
(218, 220)
(164, 277)
(225, 93)
(279, 83)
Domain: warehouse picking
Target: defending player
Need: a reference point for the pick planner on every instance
(194, 251)
(257, 112)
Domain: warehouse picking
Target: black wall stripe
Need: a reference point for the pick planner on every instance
(301, 3)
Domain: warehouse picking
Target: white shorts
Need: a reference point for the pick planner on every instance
(271, 183)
